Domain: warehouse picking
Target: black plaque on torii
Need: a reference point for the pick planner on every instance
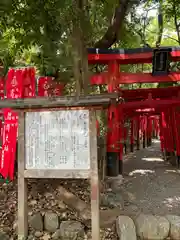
(161, 61)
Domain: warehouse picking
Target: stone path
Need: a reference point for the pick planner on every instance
(151, 185)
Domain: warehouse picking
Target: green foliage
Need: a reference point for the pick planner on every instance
(35, 25)
(38, 32)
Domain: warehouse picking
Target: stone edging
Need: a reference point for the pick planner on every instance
(141, 227)
(148, 227)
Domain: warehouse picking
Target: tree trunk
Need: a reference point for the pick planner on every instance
(160, 25)
(177, 25)
(112, 34)
(80, 60)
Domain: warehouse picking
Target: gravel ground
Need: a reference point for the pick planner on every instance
(149, 186)
(153, 186)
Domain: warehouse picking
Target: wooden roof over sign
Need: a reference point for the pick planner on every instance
(64, 102)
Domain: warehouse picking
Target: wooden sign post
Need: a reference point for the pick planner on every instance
(57, 138)
(57, 144)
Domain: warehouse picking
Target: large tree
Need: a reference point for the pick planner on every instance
(50, 33)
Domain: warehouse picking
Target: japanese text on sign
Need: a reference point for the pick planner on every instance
(57, 140)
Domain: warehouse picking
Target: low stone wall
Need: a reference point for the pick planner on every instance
(148, 227)
(141, 227)
(54, 227)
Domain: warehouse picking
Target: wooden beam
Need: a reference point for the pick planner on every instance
(149, 104)
(133, 94)
(22, 183)
(130, 78)
(95, 214)
(150, 90)
(127, 56)
(134, 113)
(42, 173)
(121, 58)
(63, 102)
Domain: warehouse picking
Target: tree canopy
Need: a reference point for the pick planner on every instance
(53, 35)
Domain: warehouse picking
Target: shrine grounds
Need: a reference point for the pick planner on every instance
(150, 187)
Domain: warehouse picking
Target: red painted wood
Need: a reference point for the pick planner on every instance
(150, 104)
(132, 58)
(113, 73)
(162, 132)
(129, 78)
(113, 133)
(167, 92)
(170, 142)
(132, 131)
(176, 134)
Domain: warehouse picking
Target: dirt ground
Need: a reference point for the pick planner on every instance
(152, 185)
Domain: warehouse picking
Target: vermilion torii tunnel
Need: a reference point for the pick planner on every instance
(151, 112)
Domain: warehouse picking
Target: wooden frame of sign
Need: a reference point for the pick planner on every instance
(24, 174)
(23, 106)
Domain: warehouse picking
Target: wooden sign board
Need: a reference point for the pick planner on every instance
(57, 144)
(57, 140)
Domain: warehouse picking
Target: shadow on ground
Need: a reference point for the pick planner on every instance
(153, 186)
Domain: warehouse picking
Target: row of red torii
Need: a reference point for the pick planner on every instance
(153, 111)
(150, 111)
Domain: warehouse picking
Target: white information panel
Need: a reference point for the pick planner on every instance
(57, 140)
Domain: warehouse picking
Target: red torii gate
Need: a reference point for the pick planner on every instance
(167, 101)
(116, 57)
(113, 77)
